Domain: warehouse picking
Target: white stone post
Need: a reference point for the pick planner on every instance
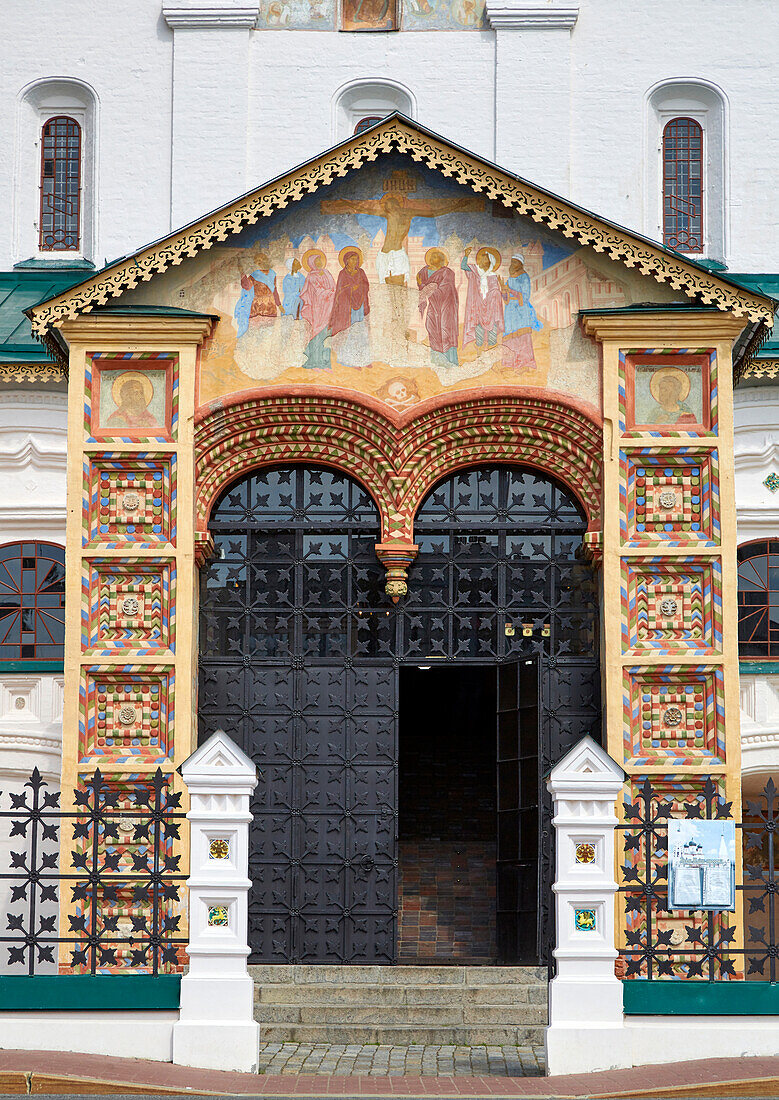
(216, 1028)
(586, 1019)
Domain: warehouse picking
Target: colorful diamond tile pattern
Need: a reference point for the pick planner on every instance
(129, 500)
(669, 497)
(126, 714)
(772, 482)
(129, 605)
(673, 716)
(668, 606)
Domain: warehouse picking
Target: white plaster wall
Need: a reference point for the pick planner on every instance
(30, 737)
(33, 442)
(228, 108)
(757, 455)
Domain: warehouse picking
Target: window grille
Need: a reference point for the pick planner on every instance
(32, 602)
(683, 185)
(60, 229)
(758, 599)
(366, 123)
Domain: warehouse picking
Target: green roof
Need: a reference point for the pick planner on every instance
(768, 285)
(20, 289)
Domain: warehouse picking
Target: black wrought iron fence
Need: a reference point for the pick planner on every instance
(115, 853)
(665, 943)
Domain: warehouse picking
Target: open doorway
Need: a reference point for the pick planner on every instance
(447, 815)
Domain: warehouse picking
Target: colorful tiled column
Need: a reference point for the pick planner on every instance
(670, 640)
(130, 565)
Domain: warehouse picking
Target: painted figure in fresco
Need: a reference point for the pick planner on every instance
(670, 388)
(278, 14)
(378, 14)
(259, 299)
(392, 263)
(439, 305)
(316, 307)
(467, 13)
(401, 393)
(351, 306)
(132, 393)
(520, 320)
(484, 301)
(291, 286)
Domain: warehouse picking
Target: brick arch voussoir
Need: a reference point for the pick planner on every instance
(253, 434)
(559, 442)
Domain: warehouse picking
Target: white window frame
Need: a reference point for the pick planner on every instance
(707, 105)
(39, 102)
(361, 98)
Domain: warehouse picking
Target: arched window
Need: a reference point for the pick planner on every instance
(683, 185)
(758, 599)
(366, 123)
(361, 104)
(32, 601)
(59, 228)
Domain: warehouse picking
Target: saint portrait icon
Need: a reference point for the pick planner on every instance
(670, 395)
(132, 402)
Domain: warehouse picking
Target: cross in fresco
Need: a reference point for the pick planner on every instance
(392, 263)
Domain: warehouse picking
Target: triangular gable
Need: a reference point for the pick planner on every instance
(399, 134)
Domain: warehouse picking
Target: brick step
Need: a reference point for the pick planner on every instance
(329, 974)
(402, 1035)
(451, 1015)
(312, 993)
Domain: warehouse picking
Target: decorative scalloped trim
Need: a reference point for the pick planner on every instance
(399, 135)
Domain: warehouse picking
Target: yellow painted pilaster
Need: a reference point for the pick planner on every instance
(127, 558)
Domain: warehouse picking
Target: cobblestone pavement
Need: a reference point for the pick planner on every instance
(415, 1061)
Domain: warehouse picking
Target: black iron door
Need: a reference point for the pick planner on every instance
(300, 650)
(289, 640)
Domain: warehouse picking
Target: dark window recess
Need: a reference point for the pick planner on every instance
(32, 601)
(366, 123)
(683, 185)
(60, 216)
(758, 599)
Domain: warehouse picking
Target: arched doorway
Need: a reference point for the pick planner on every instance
(311, 668)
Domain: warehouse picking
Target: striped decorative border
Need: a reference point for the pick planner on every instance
(637, 753)
(667, 433)
(705, 577)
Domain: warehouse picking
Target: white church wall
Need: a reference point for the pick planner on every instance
(757, 456)
(182, 129)
(33, 442)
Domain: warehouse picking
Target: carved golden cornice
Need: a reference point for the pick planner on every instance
(398, 134)
(762, 368)
(32, 372)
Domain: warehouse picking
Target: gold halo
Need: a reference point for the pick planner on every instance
(309, 254)
(442, 251)
(127, 376)
(666, 372)
(491, 252)
(345, 252)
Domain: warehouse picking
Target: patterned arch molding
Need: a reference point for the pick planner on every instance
(399, 461)
(397, 134)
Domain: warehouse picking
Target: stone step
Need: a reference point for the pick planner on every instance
(451, 1015)
(328, 974)
(313, 993)
(402, 1035)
